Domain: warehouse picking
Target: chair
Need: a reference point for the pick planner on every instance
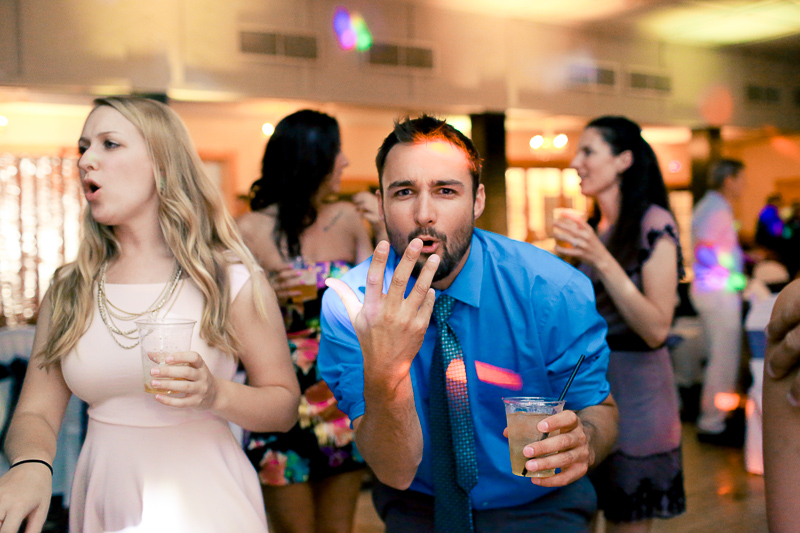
(15, 352)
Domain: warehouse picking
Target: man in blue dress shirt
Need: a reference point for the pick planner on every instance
(522, 317)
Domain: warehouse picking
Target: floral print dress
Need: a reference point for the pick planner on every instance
(321, 443)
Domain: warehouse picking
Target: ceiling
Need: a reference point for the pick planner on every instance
(764, 27)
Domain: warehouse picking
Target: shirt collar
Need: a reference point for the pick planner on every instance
(466, 287)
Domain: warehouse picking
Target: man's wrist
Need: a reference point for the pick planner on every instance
(386, 389)
(590, 430)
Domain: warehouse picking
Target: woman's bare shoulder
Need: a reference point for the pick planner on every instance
(256, 222)
(257, 229)
(338, 214)
(339, 206)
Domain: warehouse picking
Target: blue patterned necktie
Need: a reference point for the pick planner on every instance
(455, 470)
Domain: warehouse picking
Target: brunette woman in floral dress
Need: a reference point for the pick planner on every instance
(310, 476)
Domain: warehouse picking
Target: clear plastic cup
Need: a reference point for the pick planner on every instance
(523, 413)
(158, 338)
(308, 277)
(568, 213)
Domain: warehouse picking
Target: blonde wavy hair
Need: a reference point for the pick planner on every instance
(196, 225)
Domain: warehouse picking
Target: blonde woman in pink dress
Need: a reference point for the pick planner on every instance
(157, 242)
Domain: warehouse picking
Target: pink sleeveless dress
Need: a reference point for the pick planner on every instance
(145, 466)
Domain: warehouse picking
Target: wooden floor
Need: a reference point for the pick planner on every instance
(721, 495)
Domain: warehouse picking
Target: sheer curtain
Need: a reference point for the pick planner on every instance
(40, 206)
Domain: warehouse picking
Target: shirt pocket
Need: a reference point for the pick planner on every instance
(494, 383)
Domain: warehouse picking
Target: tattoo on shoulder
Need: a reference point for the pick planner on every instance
(336, 217)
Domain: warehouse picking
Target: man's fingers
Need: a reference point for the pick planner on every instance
(423, 285)
(426, 309)
(374, 288)
(349, 298)
(781, 357)
(567, 475)
(402, 273)
(794, 391)
(785, 315)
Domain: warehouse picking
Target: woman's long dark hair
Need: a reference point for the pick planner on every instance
(641, 185)
(299, 157)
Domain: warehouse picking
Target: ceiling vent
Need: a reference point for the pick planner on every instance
(404, 56)
(656, 84)
(593, 77)
(273, 44)
(758, 94)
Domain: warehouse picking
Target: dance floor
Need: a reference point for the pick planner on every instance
(721, 495)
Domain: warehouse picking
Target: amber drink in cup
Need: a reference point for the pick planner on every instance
(158, 338)
(308, 277)
(523, 413)
(568, 213)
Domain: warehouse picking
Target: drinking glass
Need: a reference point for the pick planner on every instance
(158, 338)
(523, 413)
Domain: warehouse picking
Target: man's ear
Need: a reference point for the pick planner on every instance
(480, 201)
(380, 204)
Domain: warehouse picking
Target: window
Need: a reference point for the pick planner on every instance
(531, 196)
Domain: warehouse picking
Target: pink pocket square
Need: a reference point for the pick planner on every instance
(498, 376)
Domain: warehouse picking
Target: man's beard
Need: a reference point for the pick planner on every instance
(451, 249)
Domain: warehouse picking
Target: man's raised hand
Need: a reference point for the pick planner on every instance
(391, 327)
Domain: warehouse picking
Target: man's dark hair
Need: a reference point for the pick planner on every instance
(428, 128)
(724, 168)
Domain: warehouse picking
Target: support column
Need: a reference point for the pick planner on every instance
(489, 136)
(704, 148)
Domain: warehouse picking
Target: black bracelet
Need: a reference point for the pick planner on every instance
(45, 463)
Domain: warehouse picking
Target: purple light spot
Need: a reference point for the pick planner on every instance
(341, 21)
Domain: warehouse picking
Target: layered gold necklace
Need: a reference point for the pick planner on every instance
(109, 311)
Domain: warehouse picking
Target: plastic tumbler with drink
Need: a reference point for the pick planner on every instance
(569, 214)
(308, 278)
(523, 414)
(159, 338)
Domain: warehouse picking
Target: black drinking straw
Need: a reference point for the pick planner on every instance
(569, 381)
(561, 397)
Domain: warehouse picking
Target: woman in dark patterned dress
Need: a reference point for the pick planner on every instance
(310, 476)
(630, 250)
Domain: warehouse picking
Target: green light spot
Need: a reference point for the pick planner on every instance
(736, 282)
(363, 36)
(726, 260)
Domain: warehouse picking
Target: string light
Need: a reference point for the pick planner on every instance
(267, 129)
(548, 143)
